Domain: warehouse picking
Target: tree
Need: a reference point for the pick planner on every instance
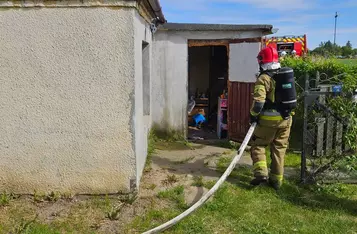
(329, 49)
(328, 45)
(346, 51)
(349, 45)
(354, 52)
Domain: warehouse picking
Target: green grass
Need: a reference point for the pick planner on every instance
(237, 208)
(176, 195)
(198, 181)
(152, 139)
(291, 159)
(77, 217)
(5, 199)
(348, 61)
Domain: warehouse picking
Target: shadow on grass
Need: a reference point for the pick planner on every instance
(307, 196)
(313, 197)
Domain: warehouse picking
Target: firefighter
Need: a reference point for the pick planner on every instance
(283, 53)
(273, 101)
(293, 53)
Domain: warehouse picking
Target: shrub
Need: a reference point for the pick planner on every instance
(336, 72)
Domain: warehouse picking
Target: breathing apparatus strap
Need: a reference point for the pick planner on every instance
(269, 104)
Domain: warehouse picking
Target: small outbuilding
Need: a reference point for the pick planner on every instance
(75, 94)
(83, 82)
(215, 65)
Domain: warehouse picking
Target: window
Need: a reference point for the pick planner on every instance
(146, 77)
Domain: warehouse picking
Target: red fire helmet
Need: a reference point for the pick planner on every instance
(268, 55)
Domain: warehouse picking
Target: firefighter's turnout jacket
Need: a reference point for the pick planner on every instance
(272, 130)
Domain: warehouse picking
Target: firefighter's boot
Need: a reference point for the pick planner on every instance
(259, 180)
(276, 184)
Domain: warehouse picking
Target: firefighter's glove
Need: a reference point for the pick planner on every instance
(254, 119)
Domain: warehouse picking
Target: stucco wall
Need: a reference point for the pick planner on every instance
(169, 84)
(170, 74)
(67, 96)
(142, 122)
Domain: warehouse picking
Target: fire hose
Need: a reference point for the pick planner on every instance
(200, 202)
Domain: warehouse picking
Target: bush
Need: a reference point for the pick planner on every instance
(336, 72)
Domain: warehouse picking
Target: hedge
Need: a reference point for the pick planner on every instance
(340, 73)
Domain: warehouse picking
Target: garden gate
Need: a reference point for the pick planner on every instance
(325, 154)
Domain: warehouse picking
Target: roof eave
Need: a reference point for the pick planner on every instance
(266, 29)
(157, 10)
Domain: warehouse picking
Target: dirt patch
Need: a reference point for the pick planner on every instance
(190, 168)
(193, 194)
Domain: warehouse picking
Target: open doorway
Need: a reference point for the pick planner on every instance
(207, 92)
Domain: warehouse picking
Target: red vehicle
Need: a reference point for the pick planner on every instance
(288, 44)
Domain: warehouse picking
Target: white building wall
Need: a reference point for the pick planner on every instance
(142, 122)
(169, 85)
(68, 85)
(170, 74)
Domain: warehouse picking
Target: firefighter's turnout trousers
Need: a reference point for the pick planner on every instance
(272, 131)
(277, 138)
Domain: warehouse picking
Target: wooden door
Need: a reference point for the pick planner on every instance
(243, 67)
(239, 103)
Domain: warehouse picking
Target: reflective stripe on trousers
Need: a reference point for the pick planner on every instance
(277, 178)
(260, 165)
(260, 168)
(271, 115)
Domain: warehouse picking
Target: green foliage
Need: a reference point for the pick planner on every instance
(169, 135)
(50, 197)
(335, 72)
(328, 49)
(310, 65)
(5, 199)
(198, 181)
(152, 139)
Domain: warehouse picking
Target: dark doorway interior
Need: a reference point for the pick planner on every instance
(207, 81)
(287, 47)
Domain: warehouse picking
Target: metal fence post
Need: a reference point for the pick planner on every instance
(303, 154)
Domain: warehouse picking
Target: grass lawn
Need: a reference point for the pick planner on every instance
(348, 61)
(237, 208)
(24, 215)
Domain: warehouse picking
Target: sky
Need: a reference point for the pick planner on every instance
(316, 18)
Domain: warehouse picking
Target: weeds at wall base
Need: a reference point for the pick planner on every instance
(5, 198)
(198, 181)
(152, 139)
(158, 136)
(169, 135)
